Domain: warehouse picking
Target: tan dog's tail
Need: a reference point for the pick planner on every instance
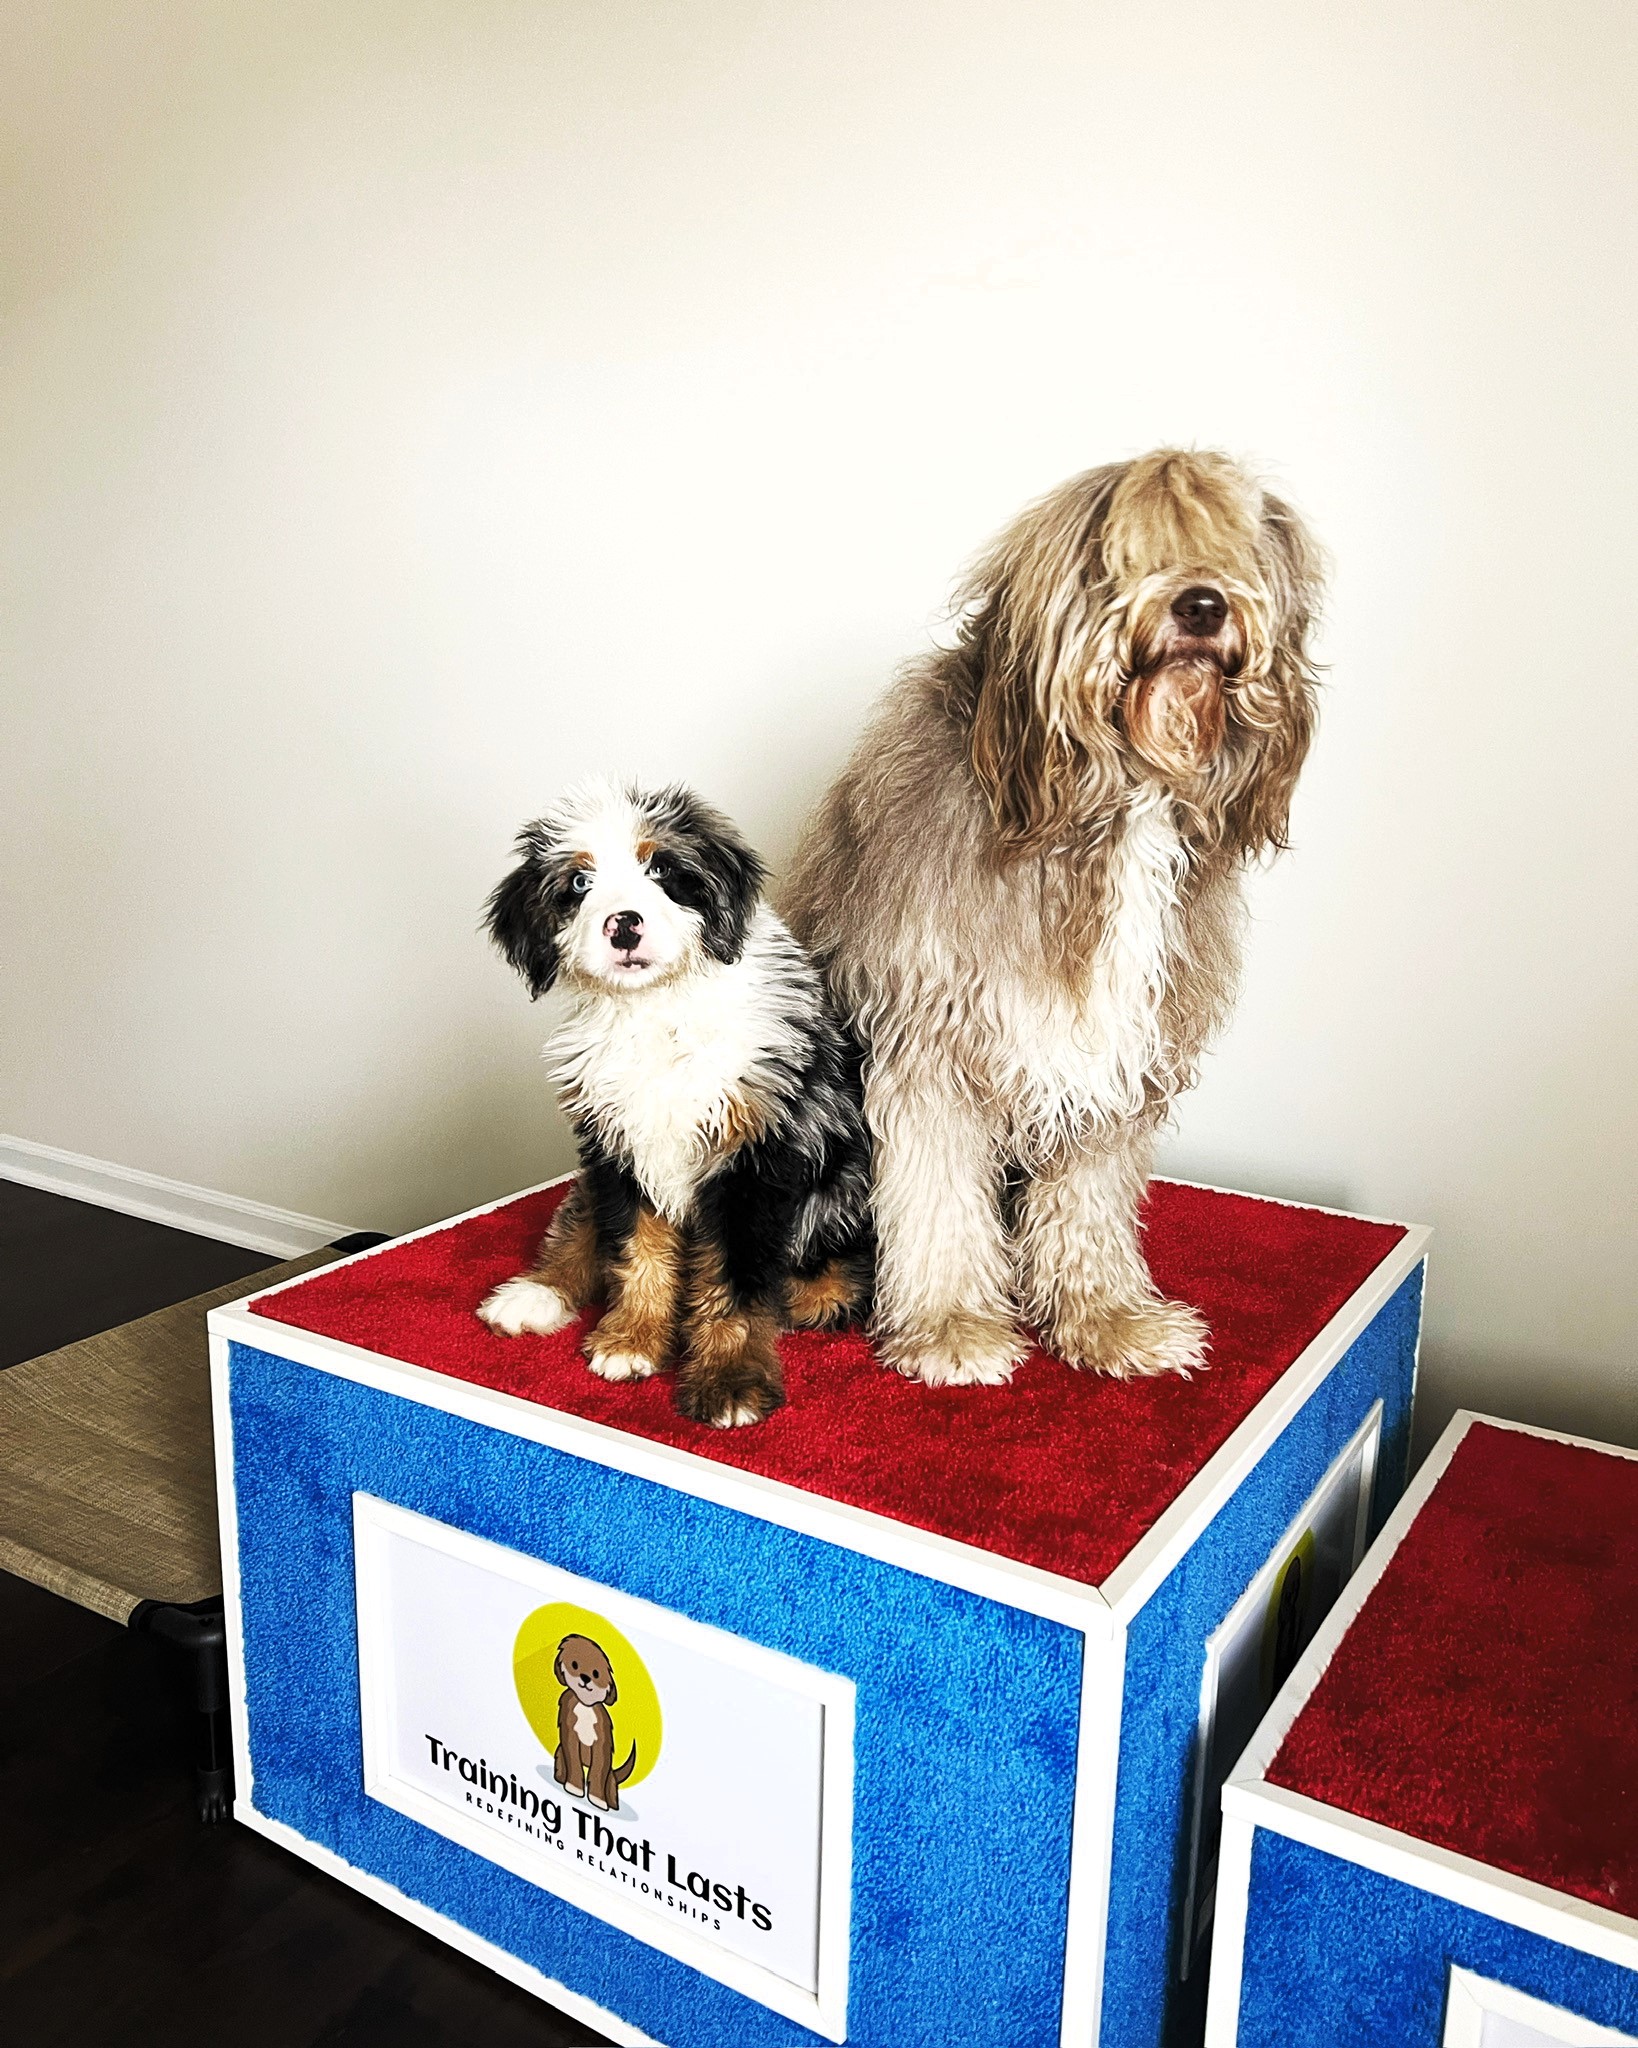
(626, 1769)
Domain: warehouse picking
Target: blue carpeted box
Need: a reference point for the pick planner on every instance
(687, 1734)
(1432, 1841)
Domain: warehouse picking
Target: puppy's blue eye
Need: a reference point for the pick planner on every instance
(658, 870)
(582, 881)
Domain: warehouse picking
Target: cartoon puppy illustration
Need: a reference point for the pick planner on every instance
(584, 1759)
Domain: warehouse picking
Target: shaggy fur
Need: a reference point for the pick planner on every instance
(1024, 892)
(724, 1165)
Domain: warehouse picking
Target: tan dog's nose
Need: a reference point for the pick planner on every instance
(1200, 610)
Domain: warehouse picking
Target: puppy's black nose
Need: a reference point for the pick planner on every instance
(1200, 610)
(624, 931)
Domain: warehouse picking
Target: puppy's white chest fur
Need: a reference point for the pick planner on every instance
(656, 1071)
(585, 1726)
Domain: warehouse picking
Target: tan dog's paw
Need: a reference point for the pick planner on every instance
(517, 1306)
(1134, 1340)
(622, 1365)
(963, 1351)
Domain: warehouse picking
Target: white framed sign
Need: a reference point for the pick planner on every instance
(1259, 1640)
(1481, 2013)
(689, 1787)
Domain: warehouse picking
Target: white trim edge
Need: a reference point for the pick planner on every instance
(233, 1219)
(227, 1522)
(1228, 1954)
(1092, 1839)
(1472, 1996)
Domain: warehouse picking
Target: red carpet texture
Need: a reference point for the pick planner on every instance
(1486, 1697)
(1062, 1469)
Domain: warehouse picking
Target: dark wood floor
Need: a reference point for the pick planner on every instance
(122, 1920)
(68, 1270)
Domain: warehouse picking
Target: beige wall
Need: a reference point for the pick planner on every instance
(406, 408)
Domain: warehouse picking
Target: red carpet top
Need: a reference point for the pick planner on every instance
(1061, 1470)
(1485, 1698)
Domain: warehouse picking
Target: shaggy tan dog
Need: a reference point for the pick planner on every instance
(1025, 893)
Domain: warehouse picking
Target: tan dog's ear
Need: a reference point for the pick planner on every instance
(1278, 710)
(1024, 769)
(1042, 740)
(614, 1690)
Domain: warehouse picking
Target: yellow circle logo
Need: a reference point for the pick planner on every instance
(589, 1699)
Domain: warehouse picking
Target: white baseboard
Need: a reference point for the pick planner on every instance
(230, 1218)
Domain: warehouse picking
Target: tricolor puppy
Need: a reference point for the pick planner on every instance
(724, 1176)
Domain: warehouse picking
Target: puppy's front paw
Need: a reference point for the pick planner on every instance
(963, 1351)
(622, 1365)
(1133, 1340)
(729, 1395)
(519, 1305)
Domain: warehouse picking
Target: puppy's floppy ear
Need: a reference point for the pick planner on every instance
(724, 878)
(520, 917)
(736, 876)
(614, 1690)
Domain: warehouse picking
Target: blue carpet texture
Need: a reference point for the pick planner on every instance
(1145, 2005)
(1339, 1954)
(965, 1742)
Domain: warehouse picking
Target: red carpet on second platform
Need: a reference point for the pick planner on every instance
(1486, 1697)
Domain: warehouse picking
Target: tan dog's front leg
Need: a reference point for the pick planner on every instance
(566, 1277)
(1086, 1284)
(636, 1336)
(944, 1307)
